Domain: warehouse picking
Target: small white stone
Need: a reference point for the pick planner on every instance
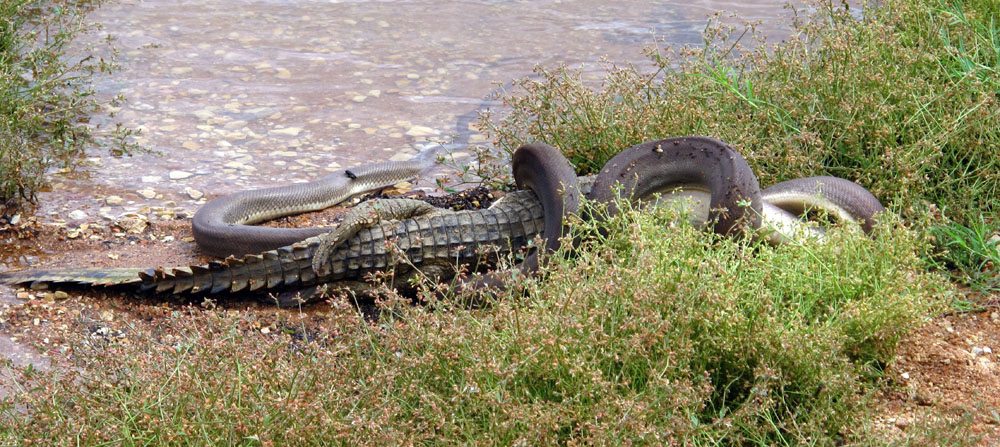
(293, 131)
(977, 351)
(15, 220)
(987, 350)
(168, 238)
(147, 193)
(151, 179)
(193, 193)
(421, 131)
(77, 215)
(204, 114)
(178, 175)
(400, 157)
(114, 200)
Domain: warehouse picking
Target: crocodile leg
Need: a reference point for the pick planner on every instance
(366, 215)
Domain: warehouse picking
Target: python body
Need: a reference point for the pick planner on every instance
(433, 242)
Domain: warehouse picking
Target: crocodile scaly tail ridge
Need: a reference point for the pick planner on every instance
(282, 267)
(79, 276)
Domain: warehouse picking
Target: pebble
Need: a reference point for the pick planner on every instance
(902, 423)
(114, 200)
(151, 179)
(15, 220)
(235, 165)
(77, 215)
(147, 193)
(977, 351)
(132, 222)
(60, 295)
(400, 157)
(204, 114)
(421, 131)
(193, 193)
(178, 175)
(292, 131)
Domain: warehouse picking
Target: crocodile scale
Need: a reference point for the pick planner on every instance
(456, 238)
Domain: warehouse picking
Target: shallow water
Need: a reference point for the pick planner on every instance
(240, 94)
(250, 93)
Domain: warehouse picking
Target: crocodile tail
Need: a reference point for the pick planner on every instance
(273, 268)
(82, 276)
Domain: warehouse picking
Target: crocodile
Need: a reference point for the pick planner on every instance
(430, 244)
(434, 243)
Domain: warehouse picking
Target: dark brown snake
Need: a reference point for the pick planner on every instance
(674, 167)
(699, 165)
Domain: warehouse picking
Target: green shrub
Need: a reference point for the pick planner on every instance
(971, 252)
(653, 334)
(904, 101)
(44, 92)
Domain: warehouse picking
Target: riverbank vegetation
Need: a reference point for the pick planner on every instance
(45, 93)
(651, 333)
(904, 101)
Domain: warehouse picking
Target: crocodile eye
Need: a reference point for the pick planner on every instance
(350, 174)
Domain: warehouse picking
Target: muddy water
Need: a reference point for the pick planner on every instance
(250, 93)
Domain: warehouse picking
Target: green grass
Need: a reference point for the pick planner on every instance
(654, 333)
(903, 101)
(45, 97)
(650, 333)
(971, 253)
